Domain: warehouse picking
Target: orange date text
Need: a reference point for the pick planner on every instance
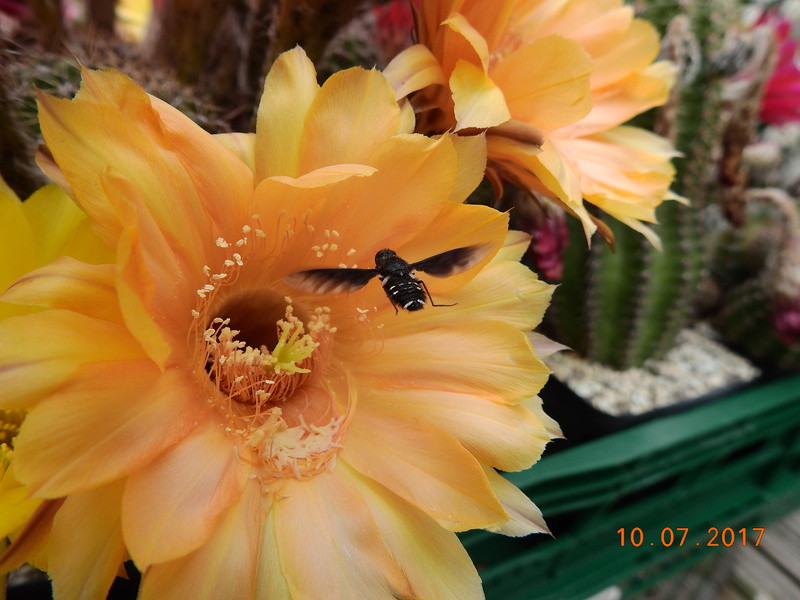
(680, 536)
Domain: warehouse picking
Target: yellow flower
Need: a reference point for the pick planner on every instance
(133, 17)
(241, 438)
(33, 233)
(16, 506)
(568, 71)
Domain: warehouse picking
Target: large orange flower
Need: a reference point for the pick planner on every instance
(551, 80)
(240, 438)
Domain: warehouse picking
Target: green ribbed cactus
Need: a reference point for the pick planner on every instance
(620, 307)
(60, 75)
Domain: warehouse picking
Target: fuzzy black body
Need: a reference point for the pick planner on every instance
(399, 281)
(402, 287)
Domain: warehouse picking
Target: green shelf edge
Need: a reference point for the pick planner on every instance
(683, 451)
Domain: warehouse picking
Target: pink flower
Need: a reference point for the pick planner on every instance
(781, 102)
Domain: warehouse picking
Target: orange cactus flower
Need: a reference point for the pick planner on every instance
(236, 436)
(550, 81)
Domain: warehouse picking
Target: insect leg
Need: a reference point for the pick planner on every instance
(428, 294)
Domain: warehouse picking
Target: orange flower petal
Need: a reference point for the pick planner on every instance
(546, 83)
(534, 404)
(493, 358)
(324, 523)
(423, 465)
(509, 437)
(70, 285)
(136, 290)
(490, 19)
(326, 176)
(164, 155)
(329, 138)
(459, 24)
(289, 90)
(479, 101)
(109, 419)
(633, 52)
(242, 145)
(39, 351)
(270, 580)
(220, 183)
(621, 102)
(433, 559)
(223, 567)
(525, 517)
(420, 173)
(413, 69)
(173, 506)
(471, 153)
(486, 297)
(86, 570)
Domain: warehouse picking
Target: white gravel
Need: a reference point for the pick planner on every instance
(695, 367)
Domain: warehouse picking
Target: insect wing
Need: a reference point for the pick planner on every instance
(453, 261)
(330, 281)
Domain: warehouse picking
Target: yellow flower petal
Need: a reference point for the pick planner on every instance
(546, 83)
(17, 241)
(289, 90)
(69, 284)
(128, 410)
(423, 465)
(488, 18)
(374, 115)
(270, 580)
(16, 505)
(40, 351)
(514, 247)
(436, 564)
(493, 358)
(483, 298)
(242, 145)
(348, 555)
(173, 507)
(30, 546)
(165, 156)
(525, 517)
(413, 69)
(460, 25)
(61, 228)
(326, 176)
(471, 152)
(88, 570)
(136, 290)
(633, 52)
(224, 567)
(479, 101)
(510, 438)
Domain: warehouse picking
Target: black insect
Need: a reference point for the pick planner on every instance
(399, 281)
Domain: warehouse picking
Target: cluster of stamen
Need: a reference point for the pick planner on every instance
(10, 422)
(267, 385)
(254, 376)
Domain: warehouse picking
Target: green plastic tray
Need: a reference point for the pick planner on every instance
(733, 463)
